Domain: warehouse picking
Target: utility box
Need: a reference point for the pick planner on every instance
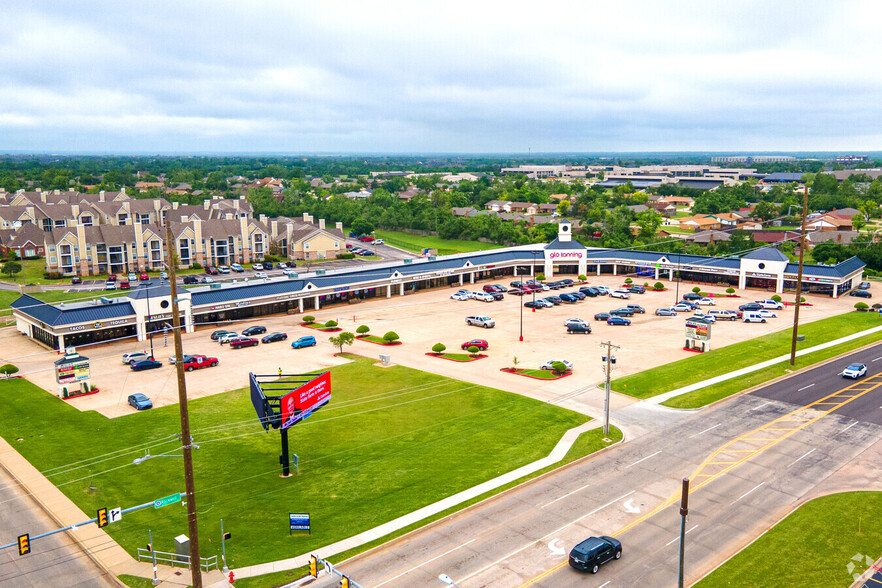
(800, 337)
(182, 549)
(385, 358)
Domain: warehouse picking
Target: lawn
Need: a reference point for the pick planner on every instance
(391, 441)
(811, 547)
(416, 243)
(32, 273)
(687, 371)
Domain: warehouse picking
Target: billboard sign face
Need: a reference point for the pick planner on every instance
(697, 331)
(72, 368)
(299, 404)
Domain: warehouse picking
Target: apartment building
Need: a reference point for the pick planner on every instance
(305, 239)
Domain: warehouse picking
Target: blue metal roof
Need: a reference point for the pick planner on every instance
(149, 289)
(767, 254)
(840, 270)
(783, 177)
(78, 313)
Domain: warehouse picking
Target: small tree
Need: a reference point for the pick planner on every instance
(658, 286)
(362, 329)
(646, 284)
(730, 290)
(629, 281)
(582, 277)
(540, 277)
(776, 298)
(473, 350)
(559, 367)
(390, 337)
(309, 319)
(344, 338)
(860, 307)
(331, 324)
(438, 348)
(696, 289)
(8, 369)
(10, 268)
(802, 299)
(514, 361)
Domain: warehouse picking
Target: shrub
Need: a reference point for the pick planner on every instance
(473, 350)
(390, 337)
(8, 369)
(658, 286)
(776, 298)
(345, 256)
(559, 367)
(331, 324)
(860, 307)
(270, 258)
(730, 290)
(801, 299)
(646, 284)
(309, 319)
(629, 281)
(52, 275)
(196, 265)
(362, 330)
(439, 348)
(64, 393)
(696, 289)
(540, 277)
(514, 361)
(582, 277)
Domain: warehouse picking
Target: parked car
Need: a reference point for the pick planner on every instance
(163, 275)
(579, 295)
(140, 402)
(273, 337)
(378, 242)
(621, 312)
(191, 280)
(543, 303)
(855, 371)
(620, 294)
(637, 308)
(305, 341)
(554, 285)
(752, 306)
(229, 337)
(172, 359)
(555, 300)
(723, 315)
(289, 272)
(692, 296)
(665, 312)
(261, 275)
(143, 277)
(215, 336)
(489, 288)
(574, 321)
(211, 270)
(480, 321)
(460, 296)
(548, 364)
(516, 284)
(617, 320)
(567, 282)
(133, 277)
(706, 302)
(601, 316)
(771, 304)
(110, 285)
(145, 364)
(860, 294)
(593, 552)
(223, 269)
(766, 313)
(568, 298)
(604, 291)
(111, 277)
(864, 286)
(579, 328)
(206, 280)
(537, 285)
(197, 362)
(256, 330)
(482, 297)
(76, 280)
(237, 268)
(680, 307)
(366, 238)
(516, 292)
(281, 265)
(124, 285)
(496, 295)
(589, 291)
(479, 343)
(637, 290)
(707, 318)
(534, 304)
(752, 316)
(241, 342)
(130, 358)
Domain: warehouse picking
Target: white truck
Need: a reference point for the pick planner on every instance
(481, 321)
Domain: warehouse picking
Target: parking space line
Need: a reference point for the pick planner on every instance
(804, 388)
(877, 359)
(758, 407)
(424, 563)
(564, 496)
(806, 455)
(644, 459)
(749, 491)
(605, 583)
(849, 426)
(706, 430)
(678, 537)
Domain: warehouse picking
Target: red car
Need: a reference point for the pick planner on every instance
(111, 277)
(143, 276)
(366, 238)
(124, 285)
(211, 270)
(479, 343)
(243, 342)
(199, 361)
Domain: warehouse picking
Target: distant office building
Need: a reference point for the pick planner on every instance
(752, 159)
(851, 158)
(542, 171)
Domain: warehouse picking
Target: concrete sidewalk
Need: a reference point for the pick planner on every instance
(558, 453)
(753, 368)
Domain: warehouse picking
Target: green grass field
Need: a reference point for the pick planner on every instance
(687, 371)
(416, 243)
(811, 547)
(391, 441)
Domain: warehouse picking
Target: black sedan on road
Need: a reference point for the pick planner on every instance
(273, 337)
(601, 316)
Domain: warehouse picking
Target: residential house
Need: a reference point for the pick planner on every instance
(831, 222)
(707, 237)
(679, 201)
(548, 208)
(464, 211)
(523, 207)
(700, 223)
(842, 237)
(498, 205)
(663, 208)
(26, 241)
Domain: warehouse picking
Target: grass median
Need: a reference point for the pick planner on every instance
(652, 382)
(391, 441)
(811, 547)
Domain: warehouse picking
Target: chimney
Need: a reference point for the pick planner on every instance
(175, 205)
(206, 204)
(263, 218)
(101, 196)
(75, 210)
(57, 191)
(236, 204)
(321, 223)
(311, 219)
(339, 226)
(42, 195)
(306, 217)
(274, 227)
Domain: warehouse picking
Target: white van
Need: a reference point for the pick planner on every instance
(753, 317)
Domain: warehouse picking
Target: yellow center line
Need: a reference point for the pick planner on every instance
(873, 383)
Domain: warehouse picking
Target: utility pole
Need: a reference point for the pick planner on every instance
(608, 361)
(799, 276)
(684, 510)
(195, 561)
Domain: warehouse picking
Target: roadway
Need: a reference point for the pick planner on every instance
(55, 561)
(750, 460)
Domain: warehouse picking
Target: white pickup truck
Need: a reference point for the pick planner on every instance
(481, 321)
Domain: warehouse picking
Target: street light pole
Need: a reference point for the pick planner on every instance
(799, 277)
(608, 368)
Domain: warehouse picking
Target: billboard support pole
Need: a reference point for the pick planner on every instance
(284, 458)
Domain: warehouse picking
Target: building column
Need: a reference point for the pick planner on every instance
(779, 285)
(615, 269)
(317, 305)
(598, 269)
(515, 273)
(300, 304)
(460, 279)
(742, 281)
(472, 278)
(671, 274)
(835, 291)
(61, 343)
(389, 288)
(402, 288)
(533, 270)
(583, 267)
(656, 273)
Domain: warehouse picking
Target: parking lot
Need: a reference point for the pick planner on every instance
(422, 319)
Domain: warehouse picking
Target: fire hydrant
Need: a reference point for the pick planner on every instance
(232, 579)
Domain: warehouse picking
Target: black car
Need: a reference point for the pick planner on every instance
(637, 290)
(215, 336)
(692, 296)
(589, 291)
(554, 285)
(496, 295)
(621, 312)
(568, 298)
(191, 280)
(567, 282)
(254, 331)
(76, 280)
(860, 294)
(601, 316)
(273, 337)
(593, 552)
(553, 299)
(579, 328)
(579, 295)
(750, 306)
(533, 304)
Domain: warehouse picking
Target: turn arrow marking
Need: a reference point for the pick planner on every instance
(629, 506)
(554, 549)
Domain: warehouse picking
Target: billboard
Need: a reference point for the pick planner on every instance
(259, 401)
(299, 403)
(698, 331)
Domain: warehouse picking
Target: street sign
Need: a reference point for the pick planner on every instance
(159, 503)
(299, 522)
(115, 514)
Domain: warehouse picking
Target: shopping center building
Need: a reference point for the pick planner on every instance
(147, 309)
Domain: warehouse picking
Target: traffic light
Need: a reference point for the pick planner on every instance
(102, 517)
(227, 536)
(313, 566)
(344, 582)
(24, 544)
(149, 547)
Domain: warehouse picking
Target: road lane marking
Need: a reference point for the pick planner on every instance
(678, 537)
(540, 539)
(749, 491)
(757, 407)
(644, 459)
(424, 563)
(804, 388)
(564, 496)
(849, 426)
(806, 455)
(705, 431)
(877, 359)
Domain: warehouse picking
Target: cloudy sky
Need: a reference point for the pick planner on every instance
(301, 77)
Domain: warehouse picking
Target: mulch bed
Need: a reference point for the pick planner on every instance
(321, 328)
(467, 360)
(693, 350)
(520, 372)
(72, 396)
(803, 304)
